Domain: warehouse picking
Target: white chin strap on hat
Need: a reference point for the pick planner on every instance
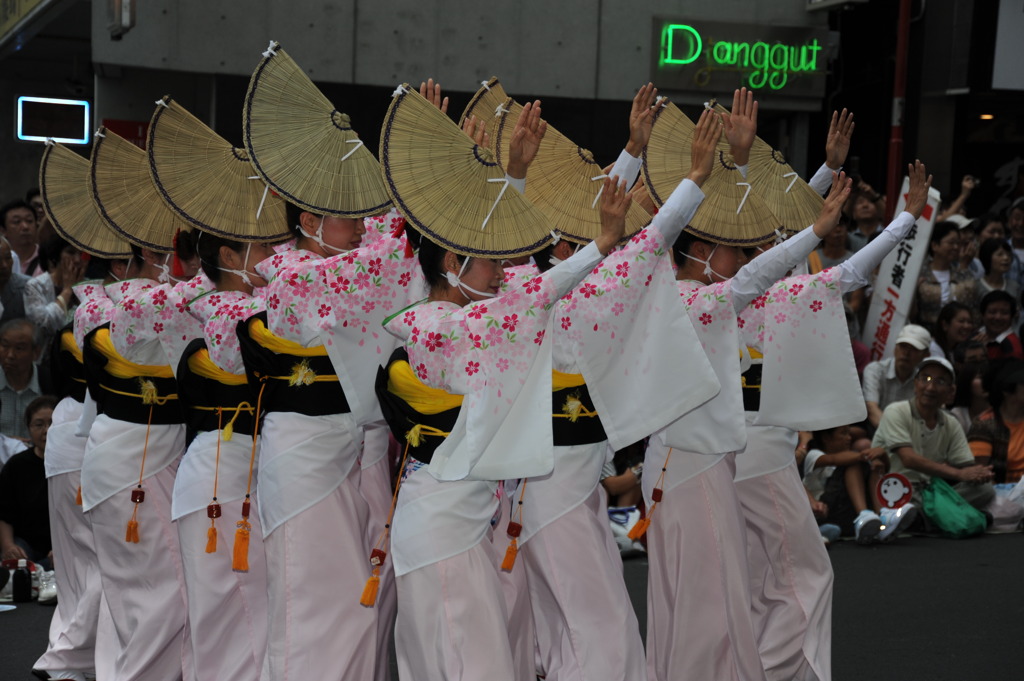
(555, 260)
(319, 237)
(455, 282)
(165, 270)
(244, 274)
(708, 271)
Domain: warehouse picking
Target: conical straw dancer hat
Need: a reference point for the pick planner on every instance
(303, 147)
(449, 189)
(64, 185)
(207, 182)
(787, 195)
(565, 182)
(731, 213)
(487, 105)
(124, 195)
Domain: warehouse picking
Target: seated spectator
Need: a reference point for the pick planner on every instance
(996, 436)
(24, 513)
(996, 257)
(48, 297)
(20, 381)
(971, 398)
(12, 285)
(842, 476)
(892, 379)
(940, 282)
(998, 310)
(955, 325)
(923, 440)
(21, 229)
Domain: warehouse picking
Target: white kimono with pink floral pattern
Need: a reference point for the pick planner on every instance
(340, 303)
(219, 313)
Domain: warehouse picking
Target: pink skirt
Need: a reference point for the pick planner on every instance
(317, 565)
(790, 577)
(586, 626)
(74, 643)
(375, 486)
(698, 593)
(452, 624)
(144, 583)
(227, 610)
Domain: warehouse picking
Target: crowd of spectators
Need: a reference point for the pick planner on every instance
(37, 271)
(946, 403)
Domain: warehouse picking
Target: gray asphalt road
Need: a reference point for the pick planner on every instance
(917, 609)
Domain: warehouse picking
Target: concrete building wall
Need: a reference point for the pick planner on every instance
(589, 49)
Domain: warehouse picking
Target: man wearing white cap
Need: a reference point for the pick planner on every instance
(891, 380)
(923, 440)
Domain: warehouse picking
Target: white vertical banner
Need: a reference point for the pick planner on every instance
(897, 278)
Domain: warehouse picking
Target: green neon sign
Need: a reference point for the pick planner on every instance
(769, 65)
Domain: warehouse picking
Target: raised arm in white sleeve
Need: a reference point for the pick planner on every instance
(759, 274)
(517, 183)
(678, 210)
(568, 273)
(855, 272)
(821, 181)
(627, 167)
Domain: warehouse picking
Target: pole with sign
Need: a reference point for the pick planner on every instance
(897, 278)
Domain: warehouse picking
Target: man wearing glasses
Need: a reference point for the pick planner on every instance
(924, 440)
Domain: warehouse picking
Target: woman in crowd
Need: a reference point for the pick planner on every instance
(939, 282)
(996, 257)
(998, 312)
(996, 436)
(954, 325)
(972, 395)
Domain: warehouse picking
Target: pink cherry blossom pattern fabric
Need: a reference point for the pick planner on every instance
(95, 309)
(381, 226)
(458, 348)
(789, 304)
(220, 312)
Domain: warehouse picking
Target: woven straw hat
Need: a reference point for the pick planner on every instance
(731, 213)
(787, 195)
(207, 182)
(125, 197)
(64, 185)
(565, 182)
(451, 190)
(487, 105)
(303, 147)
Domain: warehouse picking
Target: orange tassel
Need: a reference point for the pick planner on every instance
(211, 539)
(131, 534)
(78, 496)
(510, 555)
(369, 596)
(640, 528)
(240, 556)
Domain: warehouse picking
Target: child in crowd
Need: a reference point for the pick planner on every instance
(841, 475)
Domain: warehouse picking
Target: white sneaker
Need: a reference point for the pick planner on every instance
(867, 526)
(622, 521)
(47, 589)
(896, 520)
